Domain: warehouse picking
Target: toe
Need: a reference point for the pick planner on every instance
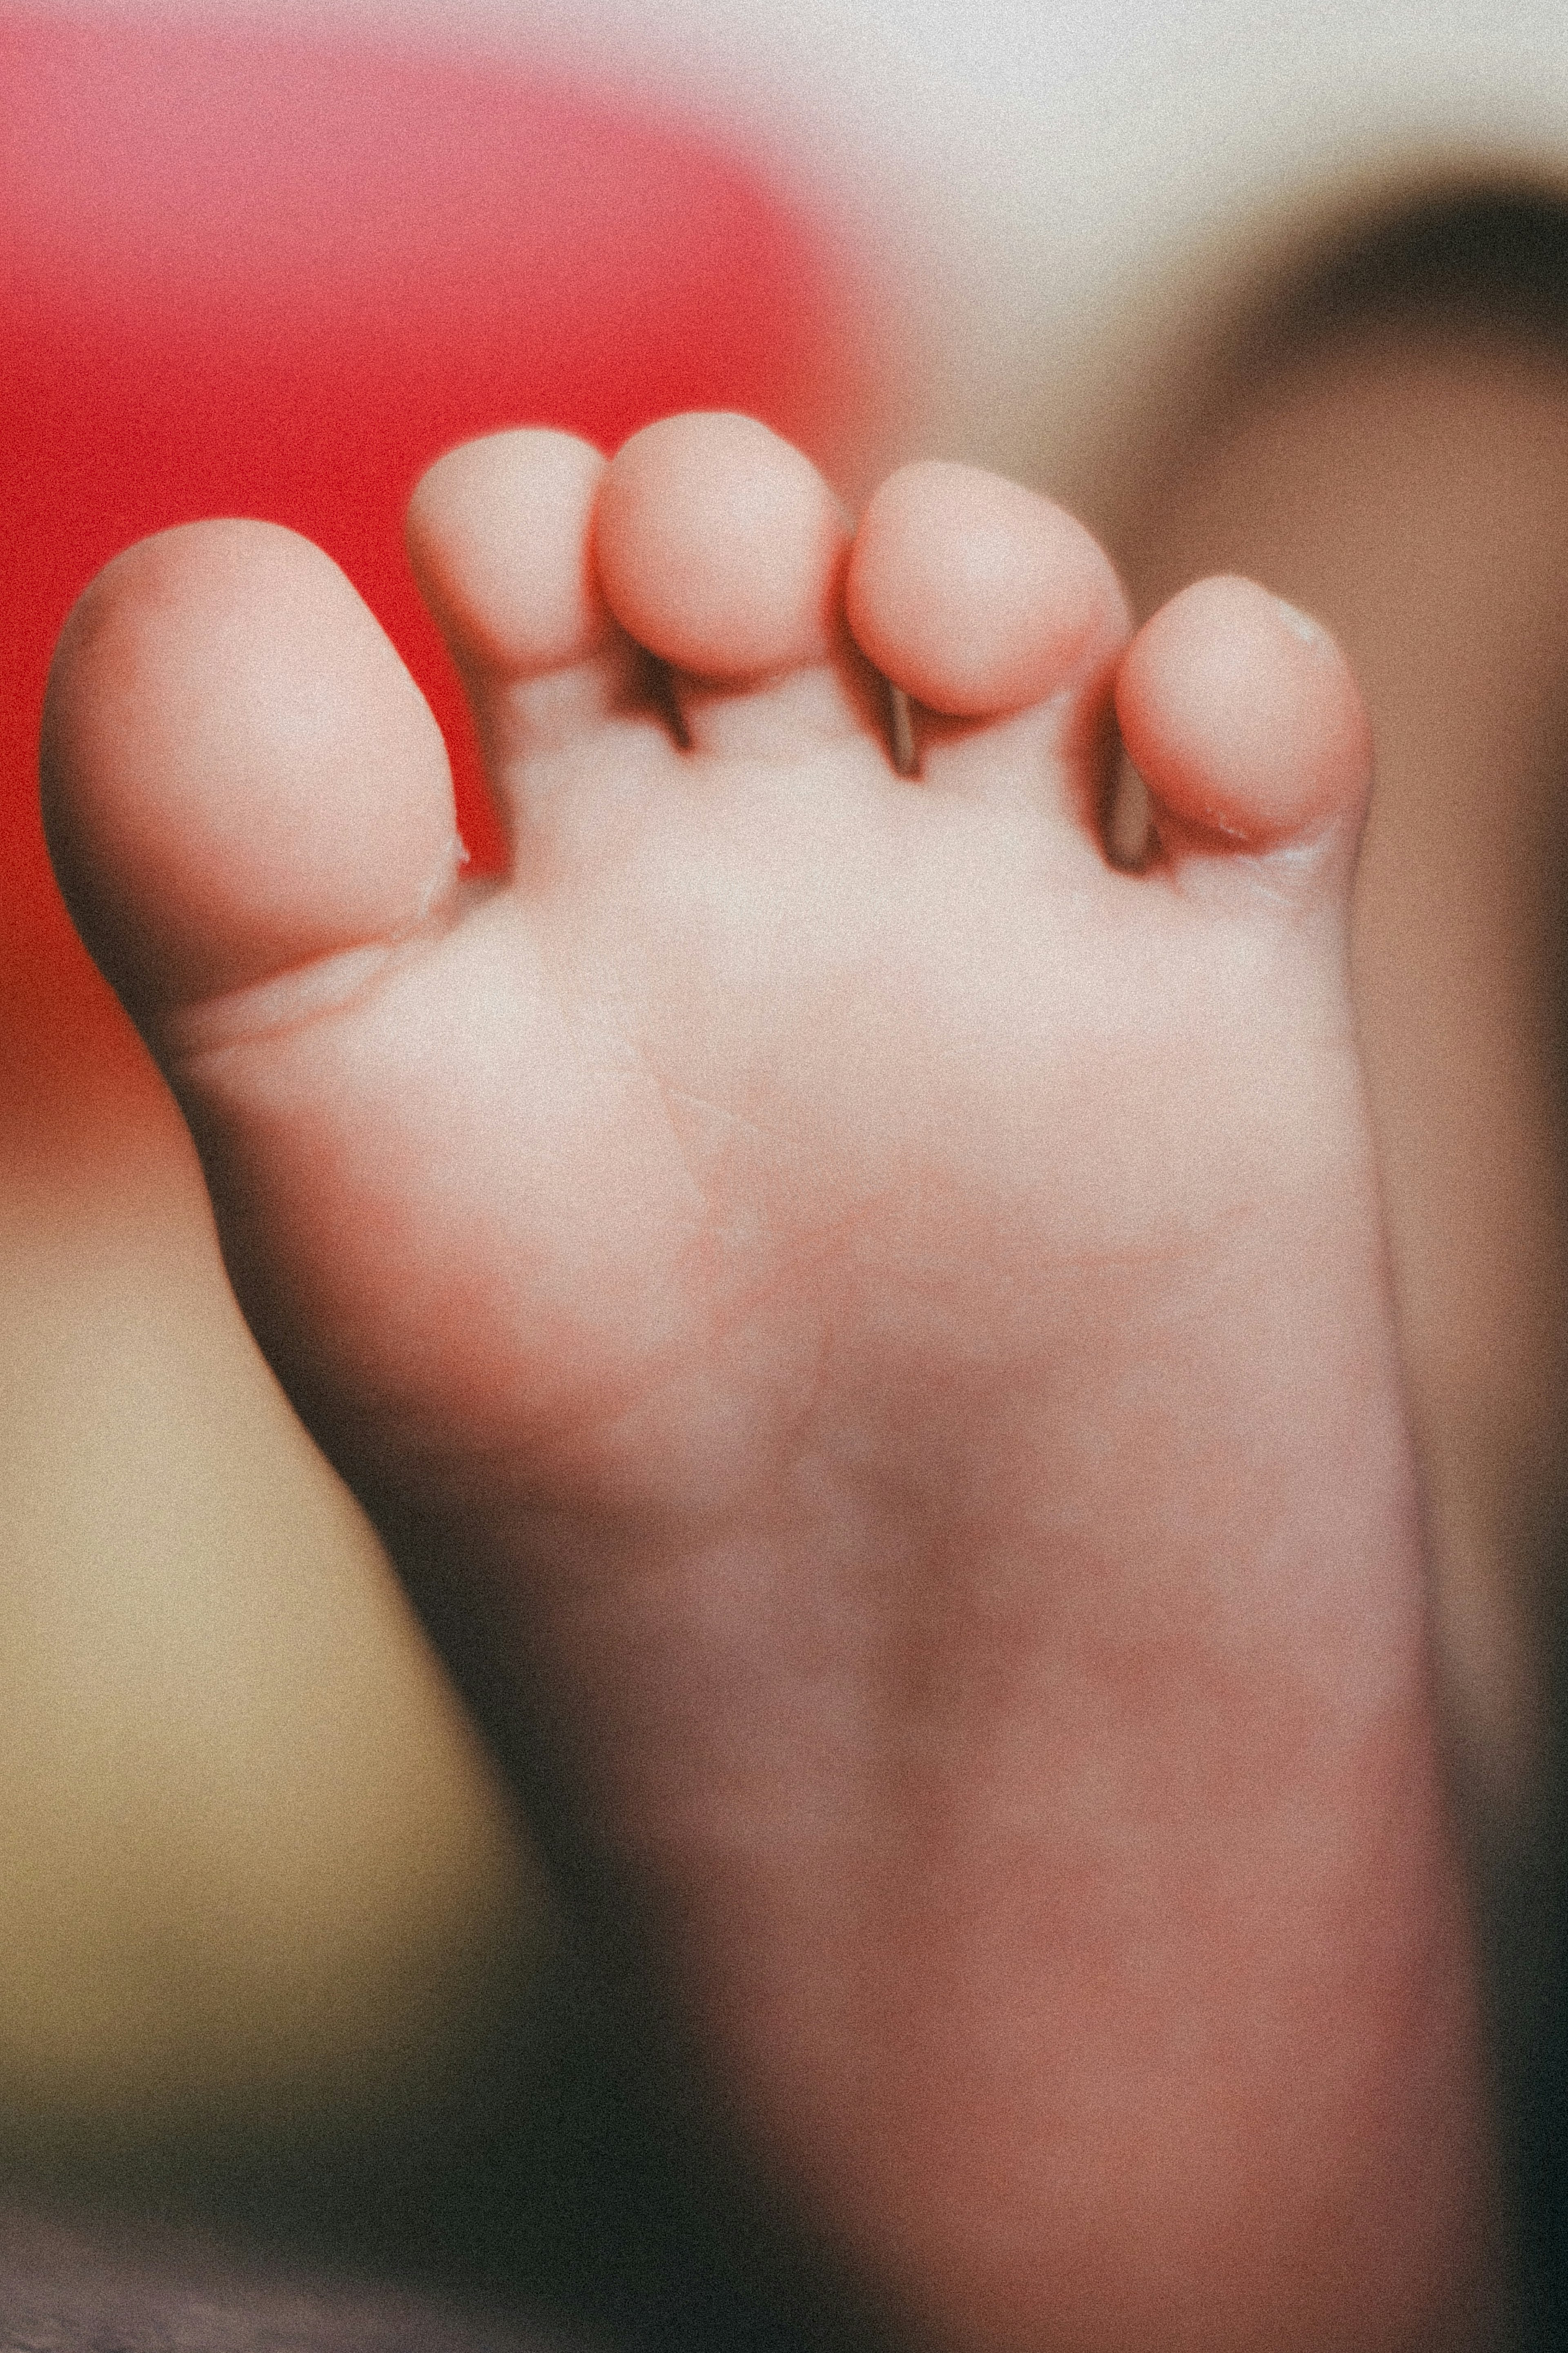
(239, 775)
(977, 596)
(499, 537)
(1001, 618)
(1241, 716)
(721, 549)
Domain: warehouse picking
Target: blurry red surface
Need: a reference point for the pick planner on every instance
(242, 272)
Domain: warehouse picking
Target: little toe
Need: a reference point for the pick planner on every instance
(240, 778)
(500, 536)
(999, 615)
(1244, 722)
(721, 549)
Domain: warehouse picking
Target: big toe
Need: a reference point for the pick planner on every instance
(240, 778)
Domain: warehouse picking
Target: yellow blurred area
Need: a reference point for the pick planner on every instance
(259, 1876)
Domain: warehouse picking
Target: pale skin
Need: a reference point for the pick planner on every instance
(873, 1322)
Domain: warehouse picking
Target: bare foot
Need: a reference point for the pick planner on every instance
(873, 1322)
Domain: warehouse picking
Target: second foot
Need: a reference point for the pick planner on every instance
(865, 1325)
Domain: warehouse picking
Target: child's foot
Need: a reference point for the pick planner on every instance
(878, 1317)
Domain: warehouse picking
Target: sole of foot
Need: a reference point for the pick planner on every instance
(865, 1324)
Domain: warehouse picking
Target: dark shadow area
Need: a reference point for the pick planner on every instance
(1467, 268)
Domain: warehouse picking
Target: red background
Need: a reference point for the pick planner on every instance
(249, 273)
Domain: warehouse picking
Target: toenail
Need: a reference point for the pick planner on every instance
(1301, 625)
(453, 859)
